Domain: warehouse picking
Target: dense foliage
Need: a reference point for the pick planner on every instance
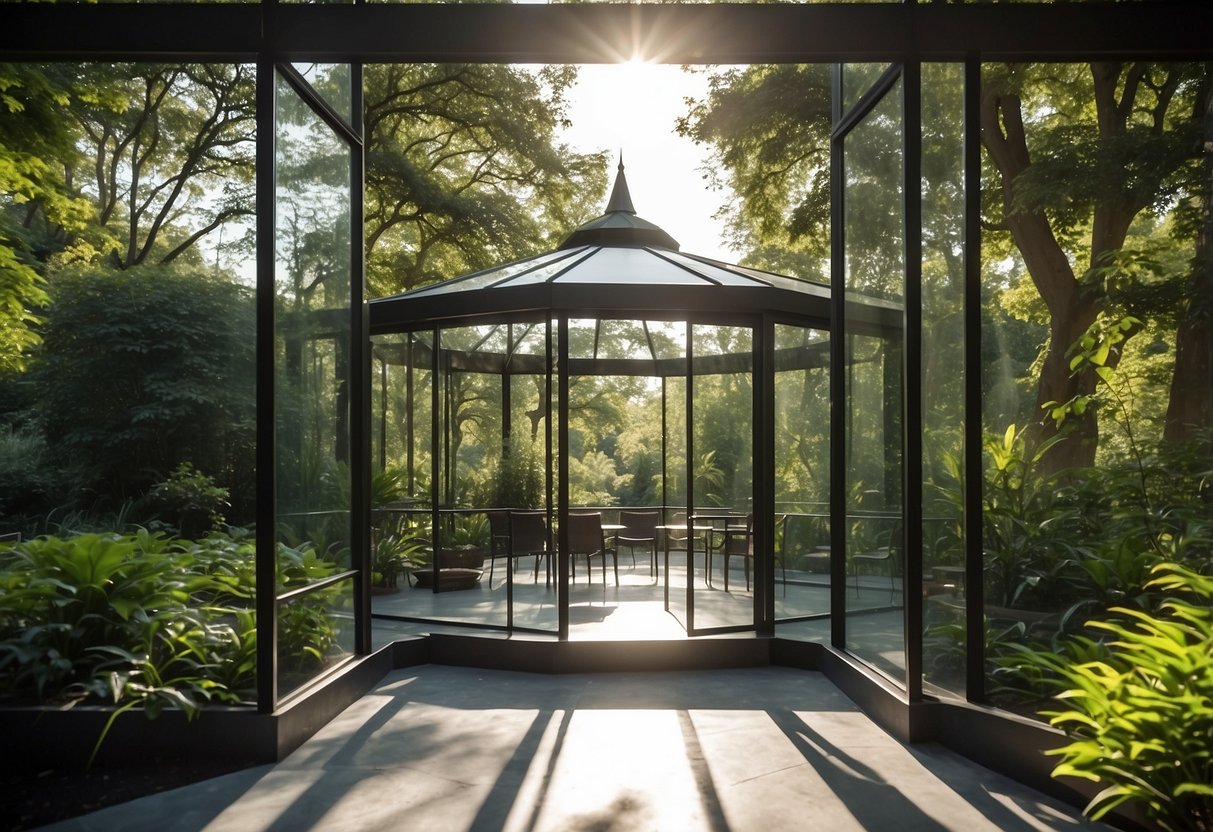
(143, 618)
(1140, 707)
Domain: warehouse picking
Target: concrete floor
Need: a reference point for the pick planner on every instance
(448, 749)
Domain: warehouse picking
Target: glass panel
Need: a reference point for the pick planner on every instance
(857, 79)
(943, 374)
(1097, 403)
(127, 383)
(315, 631)
(332, 82)
(400, 492)
(802, 474)
(723, 471)
(674, 483)
(874, 268)
(630, 266)
(479, 280)
(312, 341)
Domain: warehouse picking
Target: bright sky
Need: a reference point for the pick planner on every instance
(633, 107)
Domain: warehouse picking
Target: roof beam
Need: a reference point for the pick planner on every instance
(606, 33)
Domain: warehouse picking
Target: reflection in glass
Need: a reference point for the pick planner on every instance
(332, 82)
(857, 79)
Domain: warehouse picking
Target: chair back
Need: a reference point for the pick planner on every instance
(638, 525)
(528, 532)
(585, 533)
(738, 543)
(499, 530)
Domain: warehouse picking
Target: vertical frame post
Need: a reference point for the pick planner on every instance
(764, 477)
(267, 519)
(911, 422)
(975, 676)
(360, 382)
(839, 356)
(562, 481)
(435, 453)
(690, 475)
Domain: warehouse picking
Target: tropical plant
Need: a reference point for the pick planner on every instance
(1140, 708)
(393, 555)
(1023, 521)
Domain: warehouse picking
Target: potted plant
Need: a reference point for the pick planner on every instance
(392, 557)
(466, 547)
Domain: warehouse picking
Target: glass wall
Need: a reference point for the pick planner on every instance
(722, 471)
(802, 472)
(127, 381)
(943, 355)
(1095, 335)
(874, 275)
(313, 379)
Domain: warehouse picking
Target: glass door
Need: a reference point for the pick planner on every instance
(870, 277)
(722, 571)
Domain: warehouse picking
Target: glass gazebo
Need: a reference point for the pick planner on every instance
(497, 379)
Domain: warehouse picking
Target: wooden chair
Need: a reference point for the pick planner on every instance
(741, 544)
(640, 529)
(889, 556)
(586, 539)
(686, 541)
(528, 537)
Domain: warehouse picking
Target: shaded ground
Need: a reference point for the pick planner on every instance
(36, 798)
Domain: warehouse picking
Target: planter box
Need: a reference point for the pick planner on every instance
(448, 580)
(472, 558)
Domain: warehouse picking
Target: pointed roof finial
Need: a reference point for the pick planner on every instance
(621, 199)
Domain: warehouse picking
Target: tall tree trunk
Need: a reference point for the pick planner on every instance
(1070, 311)
(1072, 306)
(1190, 408)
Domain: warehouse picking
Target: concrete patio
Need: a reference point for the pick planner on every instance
(444, 748)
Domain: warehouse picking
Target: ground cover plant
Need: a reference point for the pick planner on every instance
(144, 620)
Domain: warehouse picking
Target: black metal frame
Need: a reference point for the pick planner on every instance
(272, 35)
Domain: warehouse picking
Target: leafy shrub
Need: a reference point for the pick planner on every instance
(190, 499)
(141, 369)
(113, 617)
(1140, 708)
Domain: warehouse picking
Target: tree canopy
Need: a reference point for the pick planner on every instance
(1096, 196)
(465, 170)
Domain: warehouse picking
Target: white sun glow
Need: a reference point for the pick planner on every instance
(632, 107)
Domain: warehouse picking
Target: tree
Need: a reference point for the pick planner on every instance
(770, 129)
(1088, 164)
(1190, 405)
(34, 141)
(1078, 160)
(168, 155)
(142, 370)
(464, 170)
